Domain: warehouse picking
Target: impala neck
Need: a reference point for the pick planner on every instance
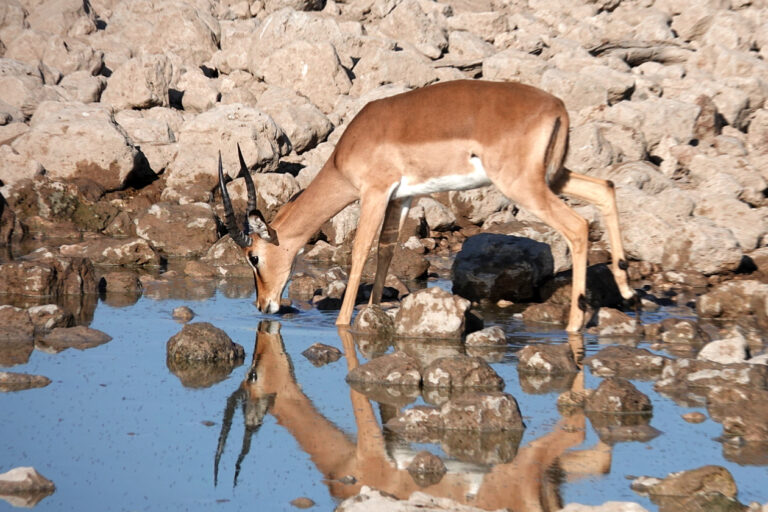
(301, 218)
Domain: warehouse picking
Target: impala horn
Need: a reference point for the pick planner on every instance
(237, 234)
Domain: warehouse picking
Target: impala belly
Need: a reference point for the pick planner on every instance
(474, 179)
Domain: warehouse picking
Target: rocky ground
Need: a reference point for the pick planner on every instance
(112, 113)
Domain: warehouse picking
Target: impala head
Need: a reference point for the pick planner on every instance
(259, 243)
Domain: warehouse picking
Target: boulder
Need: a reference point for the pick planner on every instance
(395, 369)
(374, 321)
(202, 342)
(697, 376)
(488, 337)
(140, 82)
(183, 314)
(617, 395)
(44, 273)
(725, 351)
(73, 140)
(408, 23)
(50, 316)
(626, 362)
(492, 411)
(150, 27)
(200, 139)
(310, 69)
(477, 204)
(198, 92)
(547, 359)
(178, 230)
(431, 313)
(612, 322)
(496, 267)
(460, 372)
(301, 121)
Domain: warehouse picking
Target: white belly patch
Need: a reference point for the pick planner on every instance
(477, 178)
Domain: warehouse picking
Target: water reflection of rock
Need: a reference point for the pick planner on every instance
(24, 487)
(486, 469)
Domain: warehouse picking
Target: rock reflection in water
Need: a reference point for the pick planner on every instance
(491, 471)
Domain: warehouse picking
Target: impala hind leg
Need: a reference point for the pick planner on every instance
(373, 206)
(397, 211)
(601, 193)
(555, 213)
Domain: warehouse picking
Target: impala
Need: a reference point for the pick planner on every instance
(448, 136)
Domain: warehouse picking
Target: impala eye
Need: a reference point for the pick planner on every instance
(253, 259)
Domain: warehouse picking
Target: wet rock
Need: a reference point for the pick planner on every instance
(546, 313)
(431, 313)
(374, 321)
(426, 469)
(83, 141)
(15, 324)
(304, 286)
(226, 257)
(546, 359)
(44, 273)
(178, 230)
(7, 222)
(699, 375)
(725, 351)
(24, 486)
(120, 282)
(460, 372)
(742, 411)
(50, 316)
(320, 354)
(302, 502)
(183, 314)
(202, 355)
(79, 337)
(627, 362)
(203, 342)
(496, 267)
(617, 395)
(601, 292)
(110, 251)
(488, 337)
(396, 369)
(10, 381)
(682, 331)
(612, 322)
(488, 411)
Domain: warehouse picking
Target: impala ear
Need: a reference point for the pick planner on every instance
(259, 227)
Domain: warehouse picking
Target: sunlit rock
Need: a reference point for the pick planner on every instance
(461, 372)
(396, 369)
(627, 362)
(490, 336)
(431, 313)
(547, 359)
(617, 395)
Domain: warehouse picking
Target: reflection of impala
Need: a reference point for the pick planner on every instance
(524, 484)
(449, 136)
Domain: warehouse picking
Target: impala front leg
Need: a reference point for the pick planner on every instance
(373, 205)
